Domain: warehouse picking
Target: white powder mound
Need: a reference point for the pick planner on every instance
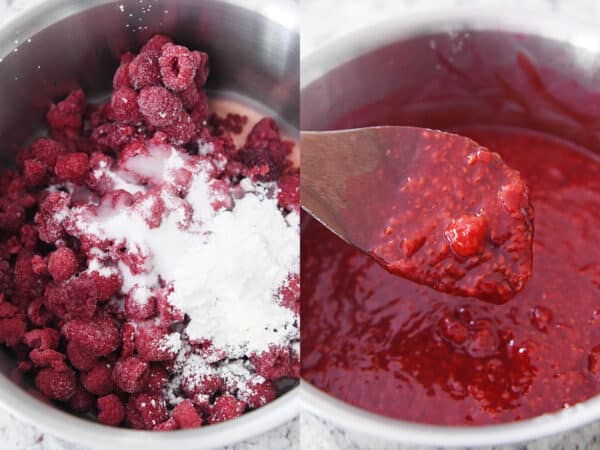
(228, 284)
(225, 267)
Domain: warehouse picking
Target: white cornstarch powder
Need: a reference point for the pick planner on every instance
(225, 259)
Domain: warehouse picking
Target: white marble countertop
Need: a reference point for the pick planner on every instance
(17, 435)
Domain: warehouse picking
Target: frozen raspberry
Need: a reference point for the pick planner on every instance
(39, 265)
(289, 293)
(22, 155)
(144, 70)
(7, 309)
(273, 364)
(177, 67)
(124, 107)
(75, 298)
(259, 394)
(48, 358)
(233, 123)
(62, 264)
(190, 97)
(27, 282)
(50, 228)
(186, 415)
(81, 401)
(35, 172)
(160, 107)
(38, 313)
(13, 245)
(264, 153)
(289, 192)
(204, 384)
(168, 425)
(55, 384)
(199, 112)
(131, 374)
(98, 380)
(150, 344)
(29, 236)
(111, 410)
(156, 43)
(140, 303)
(182, 131)
(150, 207)
(12, 215)
(42, 338)
(47, 151)
(116, 199)
(72, 167)
(145, 411)
(158, 378)
(226, 407)
(69, 112)
(121, 77)
(114, 136)
(202, 68)
(80, 358)
(12, 330)
(106, 286)
(99, 336)
(128, 332)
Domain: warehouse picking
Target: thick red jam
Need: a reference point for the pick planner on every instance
(461, 221)
(404, 350)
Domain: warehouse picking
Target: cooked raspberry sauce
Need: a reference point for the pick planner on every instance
(461, 221)
(401, 349)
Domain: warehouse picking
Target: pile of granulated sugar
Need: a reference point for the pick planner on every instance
(226, 259)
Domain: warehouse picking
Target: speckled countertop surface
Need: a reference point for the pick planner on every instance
(324, 20)
(17, 435)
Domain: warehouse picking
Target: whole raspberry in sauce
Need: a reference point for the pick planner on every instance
(465, 225)
(93, 223)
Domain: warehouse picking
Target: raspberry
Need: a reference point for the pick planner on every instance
(259, 394)
(49, 227)
(75, 298)
(144, 70)
(47, 151)
(121, 77)
(289, 192)
(205, 384)
(7, 310)
(114, 136)
(226, 407)
(48, 358)
(264, 153)
(160, 107)
(140, 304)
(42, 338)
(128, 332)
(130, 374)
(182, 131)
(149, 344)
(98, 380)
(168, 425)
(13, 246)
(158, 378)
(150, 207)
(34, 172)
(12, 330)
(39, 265)
(58, 385)
(190, 97)
(110, 410)
(62, 264)
(289, 293)
(156, 43)
(72, 167)
(186, 415)
(27, 283)
(106, 286)
(81, 401)
(124, 107)
(80, 358)
(145, 411)
(99, 336)
(177, 67)
(12, 215)
(273, 364)
(202, 69)
(29, 236)
(37, 312)
(68, 113)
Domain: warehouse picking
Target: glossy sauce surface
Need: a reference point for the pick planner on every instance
(401, 349)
